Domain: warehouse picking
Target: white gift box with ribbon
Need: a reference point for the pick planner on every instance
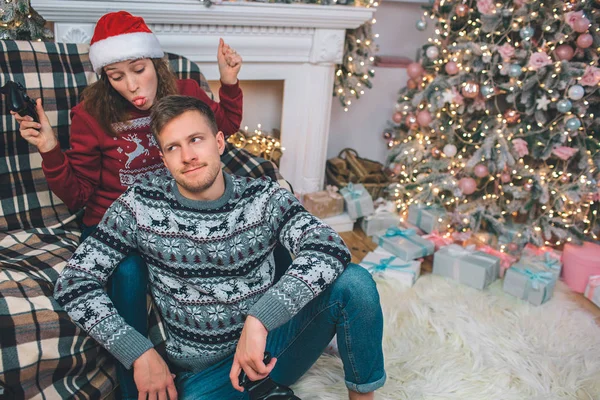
(466, 265)
(383, 263)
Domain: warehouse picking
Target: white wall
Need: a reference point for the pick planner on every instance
(362, 126)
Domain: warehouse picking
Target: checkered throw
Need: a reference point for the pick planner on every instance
(43, 353)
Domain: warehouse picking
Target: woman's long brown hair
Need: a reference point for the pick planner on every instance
(107, 106)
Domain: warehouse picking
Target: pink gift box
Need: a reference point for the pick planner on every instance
(506, 260)
(438, 239)
(579, 263)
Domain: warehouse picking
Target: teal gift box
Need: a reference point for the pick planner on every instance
(378, 222)
(382, 262)
(466, 265)
(404, 243)
(427, 218)
(359, 202)
(529, 283)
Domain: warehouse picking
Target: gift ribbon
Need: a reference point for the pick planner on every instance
(386, 263)
(534, 279)
(458, 253)
(354, 194)
(551, 262)
(333, 191)
(408, 234)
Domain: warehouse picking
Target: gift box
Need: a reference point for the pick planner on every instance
(466, 265)
(427, 218)
(506, 260)
(592, 290)
(545, 261)
(380, 220)
(529, 284)
(326, 203)
(358, 201)
(383, 263)
(340, 223)
(404, 243)
(579, 263)
(481, 239)
(438, 239)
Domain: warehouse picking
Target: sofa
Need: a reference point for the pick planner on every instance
(43, 353)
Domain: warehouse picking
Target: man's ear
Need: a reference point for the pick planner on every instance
(162, 157)
(220, 142)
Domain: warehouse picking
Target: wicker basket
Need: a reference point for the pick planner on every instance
(348, 167)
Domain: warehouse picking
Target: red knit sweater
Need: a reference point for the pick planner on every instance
(98, 168)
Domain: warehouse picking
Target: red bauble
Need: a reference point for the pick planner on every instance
(411, 121)
(462, 10)
(470, 89)
(424, 118)
(451, 68)
(397, 117)
(564, 52)
(436, 153)
(467, 185)
(584, 41)
(512, 116)
(414, 70)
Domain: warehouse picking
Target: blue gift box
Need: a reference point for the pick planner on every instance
(427, 218)
(359, 202)
(529, 283)
(466, 265)
(404, 243)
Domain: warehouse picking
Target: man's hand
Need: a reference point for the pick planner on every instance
(153, 378)
(39, 134)
(229, 62)
(250, 353)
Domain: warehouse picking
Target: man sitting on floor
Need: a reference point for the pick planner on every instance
(207, 238)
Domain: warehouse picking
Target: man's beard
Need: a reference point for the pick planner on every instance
(202, 183)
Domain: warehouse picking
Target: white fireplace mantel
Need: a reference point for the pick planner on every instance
(297, 43)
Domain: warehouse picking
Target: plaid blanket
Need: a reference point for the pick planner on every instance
(43, 353)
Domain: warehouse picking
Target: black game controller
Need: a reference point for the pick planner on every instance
(266, 389)
(18, 101)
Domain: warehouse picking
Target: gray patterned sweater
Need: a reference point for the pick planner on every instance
(210, 265)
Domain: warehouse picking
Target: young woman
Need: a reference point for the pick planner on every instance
(111, 142)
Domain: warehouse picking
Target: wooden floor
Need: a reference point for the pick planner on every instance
(360, 245)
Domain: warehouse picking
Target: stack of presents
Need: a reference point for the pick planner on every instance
(475, 260)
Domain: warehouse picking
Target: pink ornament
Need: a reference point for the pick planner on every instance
(539, 60)
(584, 41)
(564, 152)
(424, 118)
(481, 171)
(581, 25)
(591, 76)
(528, 186)
(467, 185)
(505, 177)
(451, 68)
(414, 70)
(397, 117)
(520, 146)
(513, 246)
(564, 52)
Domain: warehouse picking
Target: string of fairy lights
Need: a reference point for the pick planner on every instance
(454, 51)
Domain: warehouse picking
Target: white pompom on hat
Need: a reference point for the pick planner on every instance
(120, 36)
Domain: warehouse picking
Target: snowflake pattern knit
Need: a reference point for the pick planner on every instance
(210, 265)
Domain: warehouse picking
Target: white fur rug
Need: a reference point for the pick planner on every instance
(443, 340)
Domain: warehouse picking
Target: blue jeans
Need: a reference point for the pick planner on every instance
(127, 287)
(349, 308)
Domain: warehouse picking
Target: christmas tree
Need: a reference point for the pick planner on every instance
(18, 21)
(499, 121)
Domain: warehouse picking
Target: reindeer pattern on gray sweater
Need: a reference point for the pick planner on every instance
(210, 265)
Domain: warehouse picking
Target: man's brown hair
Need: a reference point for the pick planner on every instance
(171, 107)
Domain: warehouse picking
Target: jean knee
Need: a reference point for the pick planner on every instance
(357, 283)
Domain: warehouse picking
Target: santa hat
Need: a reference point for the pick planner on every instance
(119, 36)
